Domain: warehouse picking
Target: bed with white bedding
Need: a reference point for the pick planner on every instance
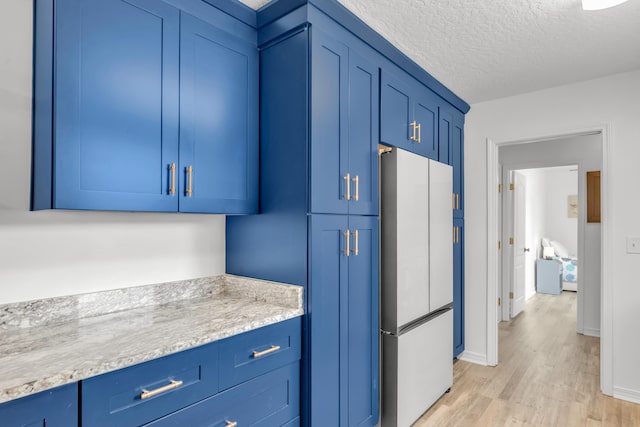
(569, 263)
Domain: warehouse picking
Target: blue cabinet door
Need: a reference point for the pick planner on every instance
(343, 313)
(456, 153)
(363, 134)
(458, 287)
(328, 276)
(344, 129)
(57, 407)
(408, 115)
(444, 139)
(396, 112)
(425, 114)
(218, 120)
(330, 182)
(361, 324)
(116, 104)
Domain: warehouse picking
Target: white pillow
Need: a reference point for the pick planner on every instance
(546, 242)
(561, 251)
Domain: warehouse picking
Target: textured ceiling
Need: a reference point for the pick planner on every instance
(484, 50)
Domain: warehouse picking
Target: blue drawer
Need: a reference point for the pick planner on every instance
(57, 407)
(270, 400)
(122, 398)
(254, 353)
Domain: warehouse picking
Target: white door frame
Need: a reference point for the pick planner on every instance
(493, 253)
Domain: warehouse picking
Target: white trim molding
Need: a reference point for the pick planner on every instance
(626, 394)
(591, 332)
(493, 253)
(470, 356)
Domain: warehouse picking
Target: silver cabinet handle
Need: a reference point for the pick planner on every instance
(355, 243)
(346, 239)
(189, 191)
(347, 182)
(172, 169)
(356, 180)
(413, 125)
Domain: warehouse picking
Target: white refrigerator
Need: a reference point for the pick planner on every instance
(417, 285)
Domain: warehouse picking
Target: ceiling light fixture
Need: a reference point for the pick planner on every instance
(600, 4)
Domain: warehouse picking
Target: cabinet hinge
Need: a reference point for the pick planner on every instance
(510, 295)
(511, 240)
(499, 245)
(499, 188)
(499, 302)
(512, 186)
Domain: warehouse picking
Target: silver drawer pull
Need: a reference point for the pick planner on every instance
(273, 349)
(232, 423)
(150, 393)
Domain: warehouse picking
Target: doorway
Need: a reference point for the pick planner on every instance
(556, 150)
(540, 211)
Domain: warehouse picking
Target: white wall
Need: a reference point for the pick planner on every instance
(613, 101)
(560, 183)
(51, 253)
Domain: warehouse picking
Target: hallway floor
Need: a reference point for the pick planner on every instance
(547, 375)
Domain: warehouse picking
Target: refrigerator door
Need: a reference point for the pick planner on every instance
(417, 370)
(405, 237)
(441, 234)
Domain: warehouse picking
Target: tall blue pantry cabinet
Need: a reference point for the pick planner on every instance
(451, 143)
(318, 223)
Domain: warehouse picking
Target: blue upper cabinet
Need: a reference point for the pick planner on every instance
(444, 141)
(116, 104)
(142, 110)
(456, 156)
(344, 130)
(408, 115)
(218, 117)
(451, 151)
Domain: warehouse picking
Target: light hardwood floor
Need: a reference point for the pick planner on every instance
(547, 375)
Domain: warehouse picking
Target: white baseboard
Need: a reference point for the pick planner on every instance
(477, 358)
(626, 394)
(591, 332)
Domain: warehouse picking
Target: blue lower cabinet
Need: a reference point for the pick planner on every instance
(57, 407)
(259, 371)
(145, 392)
(344, 320)
(254, 353)
(458, 287)
(272, 399)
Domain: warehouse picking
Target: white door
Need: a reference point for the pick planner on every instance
(519, 247)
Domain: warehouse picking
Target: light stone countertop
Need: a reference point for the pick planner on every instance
(49, 343)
